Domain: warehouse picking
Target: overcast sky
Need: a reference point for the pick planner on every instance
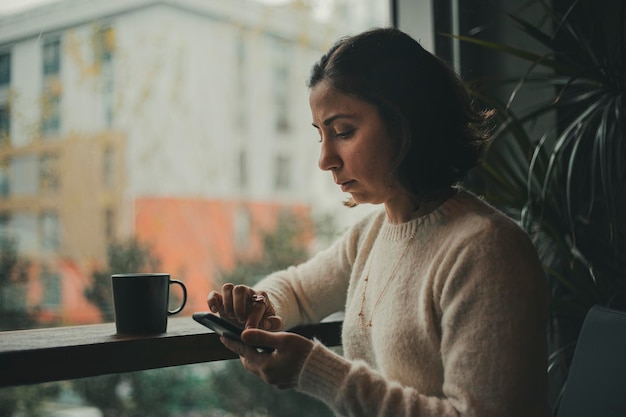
(12, 6)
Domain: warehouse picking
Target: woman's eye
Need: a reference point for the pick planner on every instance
(344, 134)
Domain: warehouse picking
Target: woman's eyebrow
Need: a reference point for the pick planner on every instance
(334, 117)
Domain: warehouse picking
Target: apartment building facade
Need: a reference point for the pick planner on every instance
(183, 124)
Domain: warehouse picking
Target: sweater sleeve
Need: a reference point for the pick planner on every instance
(491, 300)
(351, 388)
(311, 291)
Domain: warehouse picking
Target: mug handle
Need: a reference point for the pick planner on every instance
(175, 281)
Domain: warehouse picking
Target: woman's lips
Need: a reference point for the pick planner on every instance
(345, 186)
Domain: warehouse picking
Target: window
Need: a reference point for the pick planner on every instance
(5, 68)
(4, 225)
(5, 123)
(241, 116)
(24, 175)
(51, 57)
(104, 46)
(164, 119)
(4, 178)
(23, 226)
(51, 289)
(143, 133)
(242, 165)
(51, 96)
(108, 167)
(109, 224)
(280, 71)
(48, 173)
(51, 112)
(108, 89)
(282, 178)
(12, 297)
(242, 228)
(50, 231)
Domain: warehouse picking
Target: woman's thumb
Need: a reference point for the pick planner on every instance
(260, 338)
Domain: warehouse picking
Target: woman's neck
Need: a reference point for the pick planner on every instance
(404, 208)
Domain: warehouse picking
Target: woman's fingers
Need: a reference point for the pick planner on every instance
(214, 301)
(227, 297)
(242, 302)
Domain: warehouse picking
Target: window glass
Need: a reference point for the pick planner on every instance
(51, 57)
(50, 232)
(5, 123)
(5, 68)
(4, 179)
(159, 136)
(24, 175)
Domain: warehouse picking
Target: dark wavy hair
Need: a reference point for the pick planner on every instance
(424, 105)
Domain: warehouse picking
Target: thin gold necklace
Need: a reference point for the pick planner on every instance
(380, 296)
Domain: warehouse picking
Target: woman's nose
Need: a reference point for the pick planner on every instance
(329, 159)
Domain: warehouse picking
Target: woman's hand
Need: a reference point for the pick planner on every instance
(246, 306)
(280, 368)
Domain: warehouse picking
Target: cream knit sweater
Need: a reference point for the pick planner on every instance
(459, 330)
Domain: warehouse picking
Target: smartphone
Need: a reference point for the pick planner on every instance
(224, 328)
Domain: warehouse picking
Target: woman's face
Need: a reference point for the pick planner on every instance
(355, 145)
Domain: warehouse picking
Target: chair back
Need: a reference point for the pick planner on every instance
(596, 383)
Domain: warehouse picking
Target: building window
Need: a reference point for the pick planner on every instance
(242, 171)
(51, 57)
(13, 297)
(281, 59)
(4, 225)
(4, 179)
(48, 173)
(241, 114)
(24, 175)
(242, 228)
(5, 123)
(51, 114)
(107, 94)
(104, 46)
(51, 289)
(50, 231)
(109, 224)
(5, 68)
(282, 179)
(51, 98)
(23, 226)
(108, 167)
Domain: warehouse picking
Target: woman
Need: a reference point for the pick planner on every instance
(445, 299)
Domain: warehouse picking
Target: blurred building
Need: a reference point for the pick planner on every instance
(181, 123)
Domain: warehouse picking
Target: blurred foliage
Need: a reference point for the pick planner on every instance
(13, 279)
(122, 257)
(282, 247)
(155, 393)
(26, 401)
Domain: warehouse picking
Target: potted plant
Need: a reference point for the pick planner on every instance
(566, 181)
